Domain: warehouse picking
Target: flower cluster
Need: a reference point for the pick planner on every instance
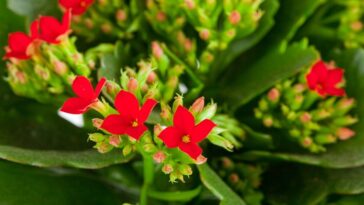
(44, 62)
(312, 108)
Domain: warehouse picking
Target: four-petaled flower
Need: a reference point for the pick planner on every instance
(19, 43)
(51, 30)
(131, 117)
(184, 134)
(78, 6)
(86, 95)
(324, 80)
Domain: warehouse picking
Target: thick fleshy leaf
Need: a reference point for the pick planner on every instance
(127, 105)
(115, 124)
(200, 131)
(33, 8)
(192, 149)
(217, 186)
(146, 109)
(171, 137)
(183, 120)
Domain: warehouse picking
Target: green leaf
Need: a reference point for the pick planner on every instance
(345, 154)
(349, 200)
(301, 185)
(218, 187)
(251, 81)
(21, 184)
(176, 195)
(33, 8)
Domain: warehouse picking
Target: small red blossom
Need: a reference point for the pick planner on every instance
(131, 117)
(184, 134)
(20, 42)
(86, 95)
(324, 80)
(78, 6)
(51, 30)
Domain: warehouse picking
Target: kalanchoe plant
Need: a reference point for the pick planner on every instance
(311, 109)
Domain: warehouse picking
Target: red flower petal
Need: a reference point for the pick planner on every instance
(183, 120)
(335, 91)
(115, 124)
(334, 77)
(127, 105)
(78, 6)
(136, 132)
(99, 86)
(146, 110)
(83, 87)
(75, 105)
(200, 131)
(171, 137)
(191, 149)
(18, 44)
(317, 75)
(34, 29)
(50, 29)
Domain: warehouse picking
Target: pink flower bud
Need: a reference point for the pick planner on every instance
(89, 23)
(161, 16)
(115, 140)
(198, 105)
(60, 68)
(132, 85)
(268, 121)
(357, 26)
(200, 160)
(234, 17)
(21, 77)
(234, 178)
(157, 50)
(185, 169)
(151, 77)
(97, 122)
(346, 103)
(305, 117)
(188, 44)
(159, 157)
(157, 129)
(121, 15)
(106, 28)
(299, 88)
(190, 4)
(307, 141)
(227, 163)
(273, 94)
(42, 73)
(167, 169)
(205, 34)
(345, 133)
(165, 112)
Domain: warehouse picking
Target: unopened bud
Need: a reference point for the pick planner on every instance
(167, 169)
(273, 94)
(185, 169)
(299, 88)
(115, 140)
(205, 34)
(157, 51)
(159, 157)
(165, 112)
(151, 77)
(188, 44)
(198, 105)
(127, 149)
(190, 4)
(268, 121)
(132, 85)
(178, 101)
(305, 117)
(357, 26)
(149, 148)
(306, 142)
(60, 68)
(346, 103)
(227, 163)
(345, 133)
(200, 160)
(207, 113)
(112, 88)
(42, 73)
(96, 137)
(97, 122)
(103, 147)
(234, 178)
(106, 28)
(89, 23)
(20, 77)
(161, 16)
(121, 15)
(234, 17)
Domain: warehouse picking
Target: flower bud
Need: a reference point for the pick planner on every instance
(220, 141)
(167, 169)
(306, 142)
(234, 178)
(132, 85)
(159, 157)
(151, 77)
(207, 113)
(345, 133)
(190, 4)
(227, 163)
(356, 26)
(103, 147)
(89, 23)
(42, 73)
(106, 28)
(121, 15)
(161, 16)
(299, 88)
(157, 129)
(97, 122)
(188, 45)
(115, 140)
(273, 95)
(127, 149)
(157, 51)
(149, 148)
(205, 34)
(268, 121)
(112, 88)
(96, 137)
(178, 101)
(198, 105)
(60, 68)
(234, 17)
(185, 169)
(305, 117)
(20, 77)
(165, 112)
(200, 160)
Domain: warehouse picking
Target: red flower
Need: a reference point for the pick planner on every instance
(19, 43)
(86, 95)
(131, 119)
(184, 134)
(51, 30)
(78, 6)
(324, 80)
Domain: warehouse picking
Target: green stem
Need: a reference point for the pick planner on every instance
(148, 170)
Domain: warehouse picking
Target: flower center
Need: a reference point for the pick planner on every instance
(134, 123)
(186, 139)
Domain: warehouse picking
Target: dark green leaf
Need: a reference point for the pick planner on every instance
(33, 8)
(218, 187)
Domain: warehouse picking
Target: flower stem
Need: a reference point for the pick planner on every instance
(148, 170)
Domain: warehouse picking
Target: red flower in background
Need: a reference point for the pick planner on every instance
(184, 134)
(19, 42)
(51, 30)
(86, 95)
(78, 6)
(324, 80)
(131, 117)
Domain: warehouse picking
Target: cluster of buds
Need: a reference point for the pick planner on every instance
(238, 19)
(45, 62)
(311, 108)
(106, 18)
(244, 179)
